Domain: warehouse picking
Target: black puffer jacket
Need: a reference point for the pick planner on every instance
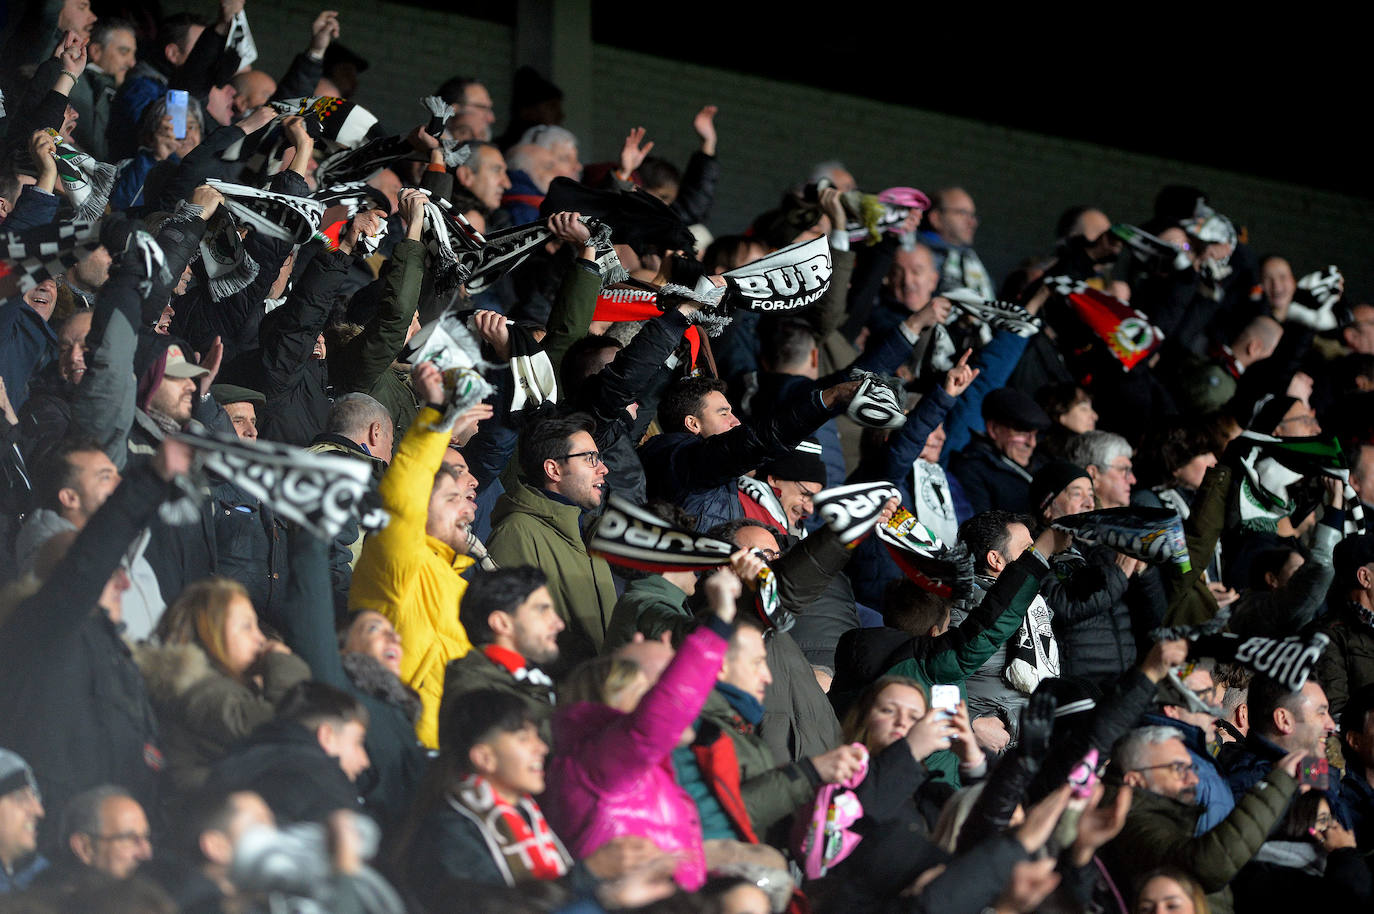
(1092, 622)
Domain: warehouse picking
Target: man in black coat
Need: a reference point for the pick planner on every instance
(75, 702)
(995, 470)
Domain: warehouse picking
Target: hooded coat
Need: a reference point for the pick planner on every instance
(412, 578)
(201, 711)
(530, 528)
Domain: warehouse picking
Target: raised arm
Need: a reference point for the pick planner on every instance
(576, 302)
(646, 735)
(376, 348)
(308, 622)
(73, 589)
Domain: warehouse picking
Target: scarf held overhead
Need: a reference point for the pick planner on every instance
(1150, 534)
(320, 492)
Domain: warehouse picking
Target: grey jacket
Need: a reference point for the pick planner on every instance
(142, 602)
(987, 690)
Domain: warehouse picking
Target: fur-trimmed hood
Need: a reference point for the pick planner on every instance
(369, 676)
(170, 670)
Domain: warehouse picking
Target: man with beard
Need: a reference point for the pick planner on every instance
(1159, 830)
(510, 617)
(411, 570)
(539, 522)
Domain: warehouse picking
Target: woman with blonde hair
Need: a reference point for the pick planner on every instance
(614, 733)
(212, 676)
(1170, 891)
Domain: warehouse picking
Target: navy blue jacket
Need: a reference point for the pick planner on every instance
(1254, 758)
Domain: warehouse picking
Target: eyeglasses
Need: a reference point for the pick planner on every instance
(805, 492)
(1180, 769)
(478, 105)
(1323, 823)
(1123, 468)
(592, 457)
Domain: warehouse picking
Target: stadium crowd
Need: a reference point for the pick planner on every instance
(395, 518)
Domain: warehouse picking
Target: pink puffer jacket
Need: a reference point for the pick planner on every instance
(612, 773)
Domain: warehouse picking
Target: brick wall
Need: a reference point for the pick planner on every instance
(772, 132)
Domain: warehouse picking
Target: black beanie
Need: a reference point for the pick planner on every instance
(1053, 478)
(801, 464)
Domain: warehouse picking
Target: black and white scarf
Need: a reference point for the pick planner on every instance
(1314, 301)
(336, 123)
(628, 535)
(788, 279)
(762, 493)
(240, 40)
(1289, 660)
(1000, 315)
(1150, 534)
(86, 182)
(321, 492)
(227, 265)
(281, 216)
(535, 382)
(44, 252)
(447, 342)
(852, 510)
(946, 571)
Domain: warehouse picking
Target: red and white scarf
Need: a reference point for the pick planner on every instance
(523, 846)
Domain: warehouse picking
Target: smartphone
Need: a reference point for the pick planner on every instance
(177, 100)
(1314, 771)
(944, 698)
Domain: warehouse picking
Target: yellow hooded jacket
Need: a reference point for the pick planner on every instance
(411, 577)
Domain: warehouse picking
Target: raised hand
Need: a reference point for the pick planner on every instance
(1099, 824)
(1164, 656)
(73, 54)
(211, 361)
(965, 745)
(43, 151)
(1041, 819)
(723, 588)
(428, 383)
(633, 152)
(323, 30)
(747, 566)
(208, 199)
(173, 458)
(493, 328)
(569, 227)
(833, 206)
(961, 376)
(1031, 883)
(412, 209)
(839, 764)
(931, 733)
(705, 126)
(366, 223)
(468, 422)
(257, 119)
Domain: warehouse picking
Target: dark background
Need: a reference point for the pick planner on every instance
(1281, 96)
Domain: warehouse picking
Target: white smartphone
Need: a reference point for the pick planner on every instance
(944, 698)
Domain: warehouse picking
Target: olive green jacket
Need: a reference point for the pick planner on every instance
(1159, 832)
